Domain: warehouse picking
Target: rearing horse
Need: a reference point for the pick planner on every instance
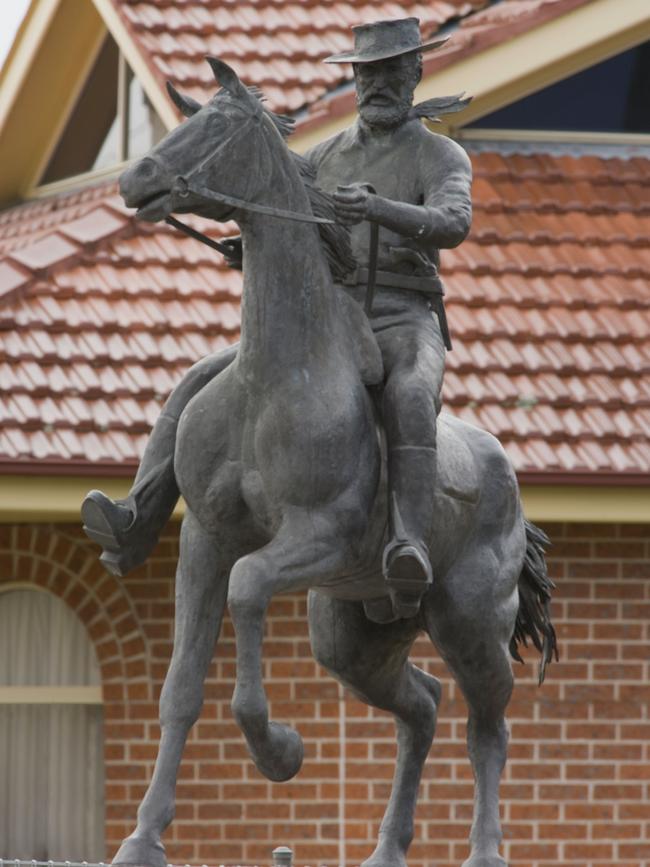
(279, 462)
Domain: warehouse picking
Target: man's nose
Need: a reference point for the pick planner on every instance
(382, 78)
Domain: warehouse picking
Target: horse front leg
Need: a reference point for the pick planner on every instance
(201, 584)
(293, 560)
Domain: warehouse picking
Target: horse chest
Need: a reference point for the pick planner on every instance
(264, 510)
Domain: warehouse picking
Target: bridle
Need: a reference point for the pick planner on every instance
(183, 188)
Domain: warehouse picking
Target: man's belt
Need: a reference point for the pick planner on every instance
(428, 285)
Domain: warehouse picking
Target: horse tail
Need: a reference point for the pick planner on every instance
(534, 617)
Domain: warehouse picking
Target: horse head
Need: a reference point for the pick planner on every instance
(215, 148)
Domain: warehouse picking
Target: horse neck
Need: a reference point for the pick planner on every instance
(289, 307)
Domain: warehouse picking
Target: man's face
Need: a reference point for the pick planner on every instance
(385, 89)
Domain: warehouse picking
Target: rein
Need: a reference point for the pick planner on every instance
(199, 236)
(182, 190)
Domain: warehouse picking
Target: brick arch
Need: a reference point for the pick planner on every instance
(58, 560)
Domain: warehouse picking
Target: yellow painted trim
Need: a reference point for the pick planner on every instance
(141, 70)
(58, 498)
(65, 185)
(57, 129)
(41, 83)
(511, 70)
(633, 139)
(6, 586)
(18, 62)
(587, 503)
(54, 498)
(51, 695)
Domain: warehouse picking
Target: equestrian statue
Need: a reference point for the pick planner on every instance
(311, 455)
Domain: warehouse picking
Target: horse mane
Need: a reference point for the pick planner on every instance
(335, 238)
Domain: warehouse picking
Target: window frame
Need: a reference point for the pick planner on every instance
(125, 76)
(59, 695)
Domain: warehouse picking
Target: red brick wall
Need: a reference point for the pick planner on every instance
(576, 789)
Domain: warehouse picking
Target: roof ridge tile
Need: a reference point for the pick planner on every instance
(96, 225)
(49, 250)
(65, 244)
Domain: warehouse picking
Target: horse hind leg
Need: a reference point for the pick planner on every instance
(201, 586)
(473, 634)
(372, 660)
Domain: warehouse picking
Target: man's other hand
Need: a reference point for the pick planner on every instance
(351, 203)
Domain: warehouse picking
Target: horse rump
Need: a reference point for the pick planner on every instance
(534, 616)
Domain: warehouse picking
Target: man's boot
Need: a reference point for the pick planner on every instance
(406, 566)
(128, 530)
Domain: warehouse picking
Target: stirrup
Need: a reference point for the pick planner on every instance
(408, 576)
(406, 568)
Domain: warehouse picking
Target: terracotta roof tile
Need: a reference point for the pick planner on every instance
(275, 44)
(49, 250)
(94, 226)
(25, 223)
(12, 276)
(548, 300)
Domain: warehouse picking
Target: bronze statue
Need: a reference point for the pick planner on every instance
(274, 443)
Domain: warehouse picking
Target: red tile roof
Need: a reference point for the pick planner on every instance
(276, 45)
(279, 44)
(548, 301)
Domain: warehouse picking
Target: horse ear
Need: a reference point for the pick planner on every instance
(185, 104)
(226, 77)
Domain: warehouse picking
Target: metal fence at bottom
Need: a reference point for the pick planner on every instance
(282, 857)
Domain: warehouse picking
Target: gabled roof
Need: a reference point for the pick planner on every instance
(501, 50)
(277, 45)
(548, 301)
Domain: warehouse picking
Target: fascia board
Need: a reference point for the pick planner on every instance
(143, 71)
(54, 498)
(18, 62)
(58, 498)
(47, 68)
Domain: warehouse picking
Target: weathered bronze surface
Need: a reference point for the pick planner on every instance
(274, 443)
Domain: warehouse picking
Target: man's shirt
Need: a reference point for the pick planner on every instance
(410, 165)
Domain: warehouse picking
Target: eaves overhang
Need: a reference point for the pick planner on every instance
(603, 498)
(43, 76)
(499, 65)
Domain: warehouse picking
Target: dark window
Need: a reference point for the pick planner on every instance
(613, 96)
(91, 120)
(109, 123)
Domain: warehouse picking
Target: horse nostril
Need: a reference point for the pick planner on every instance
(147, 168)
(138, 179)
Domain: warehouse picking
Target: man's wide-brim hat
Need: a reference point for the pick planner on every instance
(382, 40)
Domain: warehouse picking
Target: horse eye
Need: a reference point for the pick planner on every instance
(218, 122)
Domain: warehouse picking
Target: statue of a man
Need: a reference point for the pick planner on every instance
(386, 169)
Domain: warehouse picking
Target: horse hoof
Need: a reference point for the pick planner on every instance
(382, 857)
(485, 861)
(139, 852)
(283, 758)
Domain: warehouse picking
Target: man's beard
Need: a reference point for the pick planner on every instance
(385, 116)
